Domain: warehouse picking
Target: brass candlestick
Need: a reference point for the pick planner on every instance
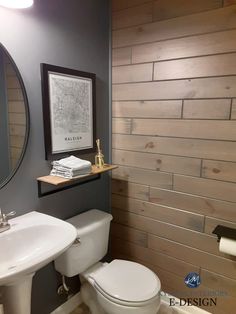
(99, 157)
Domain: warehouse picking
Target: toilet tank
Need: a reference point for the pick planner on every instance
(93, 234)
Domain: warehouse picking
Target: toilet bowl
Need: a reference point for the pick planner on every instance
(125, 287)
(118, 287)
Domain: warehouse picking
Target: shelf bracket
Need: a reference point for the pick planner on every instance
(66, 186)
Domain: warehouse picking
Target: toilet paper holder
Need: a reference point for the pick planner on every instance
(226, 232)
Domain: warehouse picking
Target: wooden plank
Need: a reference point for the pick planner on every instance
(192, 46)
(132, 73)
(211, 223)
(212, 21)
(216, 87)
(15, 95)
(205, 187)
(176, 233)
(218, 282)
(17, 141)
(132, 16)
(147, 109)
(17, 118)
(121, 56)
(229, 2)
(208, 48)
(12, 82)
(196, 204)
(142, 176)
(145, 256)
(121, 125)
(130, 189)
(16, 106)
(61, 181)
(189, 254)
(219, 150)
(217, 65)
(207, 109)
(129, 234)
(219, 170)
(14, 162)
(202, 129)
(162, 213)
(15, 153)
(182, 165)
(15, 129)
(123, 4)
(10, 71)
(167, 9)
(233, 113)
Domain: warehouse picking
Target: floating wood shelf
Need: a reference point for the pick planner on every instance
(64, 184)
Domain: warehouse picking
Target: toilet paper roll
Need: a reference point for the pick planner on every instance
(227, 246)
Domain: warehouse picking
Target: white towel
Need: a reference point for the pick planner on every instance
(72, 162)
(70, 167)
(69, 174)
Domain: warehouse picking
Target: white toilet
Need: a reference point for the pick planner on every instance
(119, 287)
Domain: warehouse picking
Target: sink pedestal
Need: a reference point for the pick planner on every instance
(17, 296)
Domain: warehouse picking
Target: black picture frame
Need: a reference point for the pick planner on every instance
(68, 92)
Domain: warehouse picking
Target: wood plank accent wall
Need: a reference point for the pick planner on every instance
(16, 113)
(174, 139)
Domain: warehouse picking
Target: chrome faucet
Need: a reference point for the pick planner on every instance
(4, 224)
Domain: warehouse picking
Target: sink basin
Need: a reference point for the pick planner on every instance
(33, 241)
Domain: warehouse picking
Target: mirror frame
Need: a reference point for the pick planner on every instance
(27, 130)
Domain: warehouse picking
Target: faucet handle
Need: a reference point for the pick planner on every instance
(12, 213)
(4, 224)
(5, 217)
(8, 215)
(1, 215)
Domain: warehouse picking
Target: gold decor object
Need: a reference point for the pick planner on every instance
(99, 157)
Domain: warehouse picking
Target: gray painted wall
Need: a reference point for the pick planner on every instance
(69, 33)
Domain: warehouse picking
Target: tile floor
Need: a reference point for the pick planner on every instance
(82, 309)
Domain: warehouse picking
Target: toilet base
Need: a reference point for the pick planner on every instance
(89, 297)
(93, 299)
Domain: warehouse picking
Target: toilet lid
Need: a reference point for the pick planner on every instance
(127, 281)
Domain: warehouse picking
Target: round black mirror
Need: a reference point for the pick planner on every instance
(14, 117)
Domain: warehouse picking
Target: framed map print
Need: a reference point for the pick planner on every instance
(68, 111)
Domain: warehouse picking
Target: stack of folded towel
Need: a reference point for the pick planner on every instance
(70, 167)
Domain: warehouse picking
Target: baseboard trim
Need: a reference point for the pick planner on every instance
(69, 305)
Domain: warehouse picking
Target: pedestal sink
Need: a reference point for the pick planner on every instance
(33, 241)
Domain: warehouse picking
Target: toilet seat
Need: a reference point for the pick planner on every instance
(122, 302)
(127, 283)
